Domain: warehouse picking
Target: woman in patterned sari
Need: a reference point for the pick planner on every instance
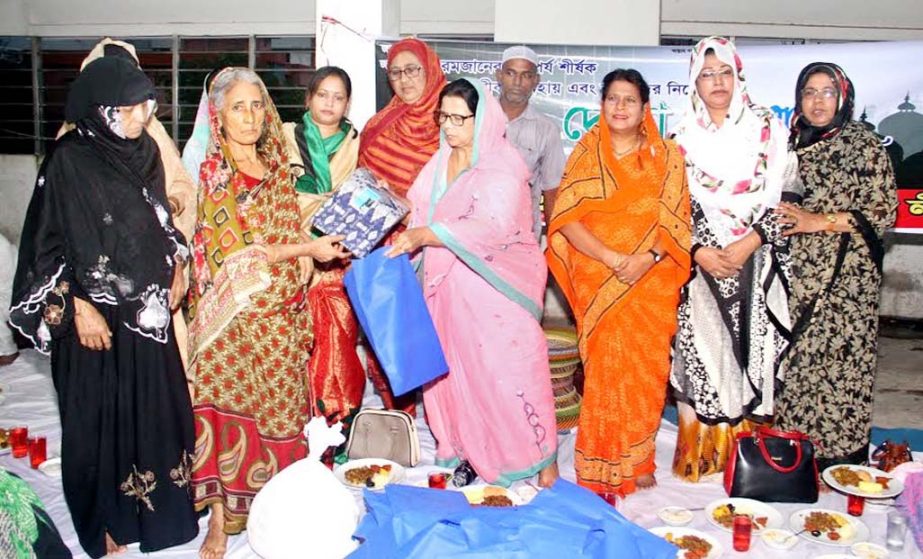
(250, 332)
(619, 248)
(323, 148)
(849, 203)
(733, 313)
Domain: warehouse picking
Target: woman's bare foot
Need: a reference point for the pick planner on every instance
(113, 548)
(548, 475)
(646, 481)
(216, 541)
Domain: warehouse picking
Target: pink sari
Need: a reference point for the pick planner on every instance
(485, 290)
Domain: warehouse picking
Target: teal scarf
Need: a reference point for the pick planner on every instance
(320, 150)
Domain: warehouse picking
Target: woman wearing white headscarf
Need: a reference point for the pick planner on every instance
(733, 314)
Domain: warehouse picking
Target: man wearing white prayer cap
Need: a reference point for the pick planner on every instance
(535, 135)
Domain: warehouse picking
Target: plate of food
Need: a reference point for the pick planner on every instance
(828, 527)
(491, 496)
(721, 513)
(371, 473)
(692, 543)
(777, 538)
(5, 442)
(863, 481)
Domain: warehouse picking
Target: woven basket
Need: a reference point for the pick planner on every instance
(564, 360)
(567, 409)
(562, 345)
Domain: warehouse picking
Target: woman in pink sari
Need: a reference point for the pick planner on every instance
(484, 282)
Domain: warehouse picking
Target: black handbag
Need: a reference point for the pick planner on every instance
(772, 466)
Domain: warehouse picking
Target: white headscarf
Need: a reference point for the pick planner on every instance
(735, 171)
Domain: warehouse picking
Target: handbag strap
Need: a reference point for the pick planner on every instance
(790, 435)
(761, 443)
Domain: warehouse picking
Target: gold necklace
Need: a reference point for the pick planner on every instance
(635, 146)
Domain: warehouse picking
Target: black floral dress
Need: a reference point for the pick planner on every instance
(831, 364)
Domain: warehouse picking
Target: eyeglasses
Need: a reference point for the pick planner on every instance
(725, 73)
(616, 100)
(825, 93)
(411, 71)
(456, 120)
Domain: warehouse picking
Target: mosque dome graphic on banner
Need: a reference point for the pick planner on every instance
(905, 126)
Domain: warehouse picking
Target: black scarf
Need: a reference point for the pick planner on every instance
(803, 133)
(97, 226)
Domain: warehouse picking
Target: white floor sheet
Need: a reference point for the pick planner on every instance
(30, 400)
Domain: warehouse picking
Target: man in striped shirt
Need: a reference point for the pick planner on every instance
(535, 135)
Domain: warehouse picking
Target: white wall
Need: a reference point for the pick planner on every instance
(169, 17)
(847, 20)
(592, 21)
(586, 22)
(13, 18)
(17, 177)
(467, 17)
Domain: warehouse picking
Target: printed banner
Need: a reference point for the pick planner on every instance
(889, 102)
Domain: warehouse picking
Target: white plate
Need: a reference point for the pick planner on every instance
(475, 494)
(869, 550)
(675, 516)
(895, 487)
(51, 467)
(777, 538)
(397, 471)
(854, 531)
(753, 508)
(716, 549)
(834, 556)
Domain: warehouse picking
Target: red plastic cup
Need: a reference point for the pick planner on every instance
(38, 449)
(19, 441)
(743, 530)
(855, 505)
(438, 480)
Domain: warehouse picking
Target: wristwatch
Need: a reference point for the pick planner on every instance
(657, 255)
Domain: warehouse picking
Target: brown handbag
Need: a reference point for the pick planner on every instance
(388, 434)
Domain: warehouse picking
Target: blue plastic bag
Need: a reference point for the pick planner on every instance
(565, 521)
(389, 304)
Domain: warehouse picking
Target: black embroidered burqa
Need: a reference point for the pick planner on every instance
(97, 228)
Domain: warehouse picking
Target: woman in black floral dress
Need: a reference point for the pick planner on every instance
(100, 267)
(849, 202)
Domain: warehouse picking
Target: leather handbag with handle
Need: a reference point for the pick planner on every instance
(388, 434)
(772, 466)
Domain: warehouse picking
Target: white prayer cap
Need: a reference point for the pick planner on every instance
(520, 51)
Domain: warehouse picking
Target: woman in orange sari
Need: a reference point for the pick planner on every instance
(619, 243)
(397, 142)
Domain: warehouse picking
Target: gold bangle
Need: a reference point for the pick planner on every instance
(831, 221)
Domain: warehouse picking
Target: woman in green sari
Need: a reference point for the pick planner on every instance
(323, 148)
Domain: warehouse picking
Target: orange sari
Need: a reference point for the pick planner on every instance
(624, 330)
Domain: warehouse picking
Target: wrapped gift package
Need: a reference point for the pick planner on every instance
(361, 210)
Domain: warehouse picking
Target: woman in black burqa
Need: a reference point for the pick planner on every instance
(100, 267)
